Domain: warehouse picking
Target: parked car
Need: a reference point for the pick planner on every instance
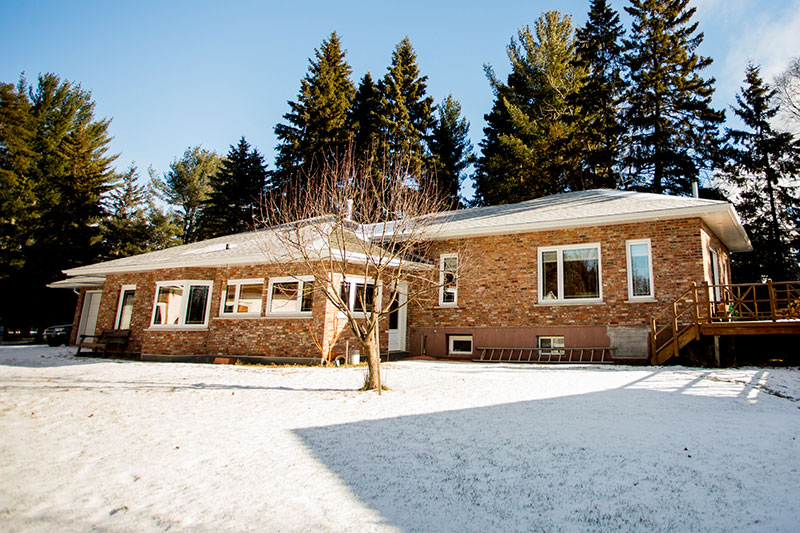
(57, 335)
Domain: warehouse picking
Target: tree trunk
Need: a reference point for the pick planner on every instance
(372, 351)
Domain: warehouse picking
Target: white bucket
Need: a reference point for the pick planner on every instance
(355, 357)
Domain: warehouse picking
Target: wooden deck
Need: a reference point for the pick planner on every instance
(734, 309)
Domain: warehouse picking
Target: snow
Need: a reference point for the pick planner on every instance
(128, 446)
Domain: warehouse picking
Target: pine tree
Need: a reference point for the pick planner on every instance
(186, 186)
(53, 155)
(237, 191)
(317, 129)
(126, 228)
(16, 162)
(405, 112)
(764, 165)
(598, 100)
(671, 123)
(524, 153)
(365, 120)
(450, 148)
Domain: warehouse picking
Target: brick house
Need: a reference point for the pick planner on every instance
(580, 269)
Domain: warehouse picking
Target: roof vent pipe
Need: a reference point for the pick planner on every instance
(695, 189)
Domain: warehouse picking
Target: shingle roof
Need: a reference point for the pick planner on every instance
(573, 209)
(589, 208)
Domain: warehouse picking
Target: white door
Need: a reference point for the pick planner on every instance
(91, 308)
(397, 320)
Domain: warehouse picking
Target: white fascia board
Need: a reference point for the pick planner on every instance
(102, 269)
(707, 212)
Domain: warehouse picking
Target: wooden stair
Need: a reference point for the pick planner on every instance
(726, 309)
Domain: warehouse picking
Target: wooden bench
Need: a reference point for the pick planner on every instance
(110, 340)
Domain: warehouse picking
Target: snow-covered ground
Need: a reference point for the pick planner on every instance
(125, 446)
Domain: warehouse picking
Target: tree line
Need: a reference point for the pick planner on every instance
(582, 107)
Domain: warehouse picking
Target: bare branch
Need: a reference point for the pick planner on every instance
(360, 230)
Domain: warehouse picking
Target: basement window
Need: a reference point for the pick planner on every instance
(183, 304)
(550, 345)
(459, 344)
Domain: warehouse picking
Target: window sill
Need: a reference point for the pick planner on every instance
(232, 316)
(556, 303)
(446, 306)
(641, 301)
(292, 316)
(178, 328)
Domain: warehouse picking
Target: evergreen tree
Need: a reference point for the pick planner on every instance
(16, 161)
(165, 226)
(237, 191)
(669, 117)
(524, 153)
(317, 129)
(186, 186)
(597, 133)
(55, 170)
(134, 224)
(365, 119)
(125, 228)
(764, 165)
(451, 149)
(405, 113)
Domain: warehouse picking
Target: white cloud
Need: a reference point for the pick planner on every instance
(767, 37)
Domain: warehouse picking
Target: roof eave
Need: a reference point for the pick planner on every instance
(735, 240)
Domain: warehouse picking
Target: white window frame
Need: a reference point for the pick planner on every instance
(452, 338)
(186, 285)
(296, 312)
(351, 293)
(442, 289)
(553, 350)
(122, 291)
(629, 262)
(560, 280)
(238, 283)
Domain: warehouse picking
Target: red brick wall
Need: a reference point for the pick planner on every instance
(255, 336)
(497, 297)
(499, 287)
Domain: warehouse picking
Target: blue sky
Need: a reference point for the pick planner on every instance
(177, 74)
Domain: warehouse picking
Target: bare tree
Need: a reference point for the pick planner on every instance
(788, 90)
(361, 231)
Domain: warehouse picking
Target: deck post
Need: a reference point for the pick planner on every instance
(675, 347)
(653, 345)
(773, 301)
(696, 311)
(716, 351)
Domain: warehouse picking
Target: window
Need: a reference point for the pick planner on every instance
(291, 296)
(448, 279)
(550, 345)
(570, 274)
(459, 344)
(243, 297)
(358, 294)
(182, 303)
(640, 269)
(125, 307)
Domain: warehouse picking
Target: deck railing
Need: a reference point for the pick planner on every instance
(674, 327)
